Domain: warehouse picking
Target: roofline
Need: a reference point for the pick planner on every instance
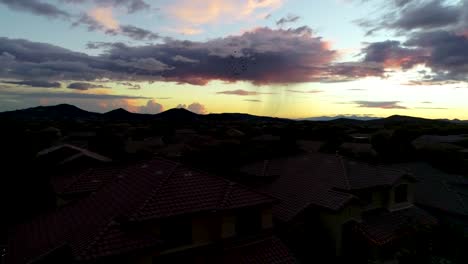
(144, 219)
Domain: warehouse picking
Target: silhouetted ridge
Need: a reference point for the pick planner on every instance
(61, 111)
(178, 114)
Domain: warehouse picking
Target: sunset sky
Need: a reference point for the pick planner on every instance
(284, 58)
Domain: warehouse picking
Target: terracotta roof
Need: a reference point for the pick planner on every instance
(151, 189)
(384, 227)
(320, 180)
(191, 191)
(88, 180)
(270, 250)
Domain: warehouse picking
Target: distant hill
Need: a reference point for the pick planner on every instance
(243, 117)
(61, 111)
(178, 115)
(122, 114)
(340, 117)
(404, 120)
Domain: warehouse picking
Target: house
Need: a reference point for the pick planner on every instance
(347, 203)
(154, 211)
(70, 156)
(443, 195)
(358, 150)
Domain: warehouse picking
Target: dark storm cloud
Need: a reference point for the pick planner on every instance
(437, 37)
(25, 59)
(131, 5)
(35, 83)
(433, 14)
(349, 71)
(36, 7)
(84, 86)
(262, 56)
(66, 95)
(287, 20)
(393, 55)
(448, 53)
(380, 104)
(404, 16)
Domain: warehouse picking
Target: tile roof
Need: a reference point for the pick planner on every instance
(78, 150)
(384, 227)
(151, 189)
(438, 189)
(270, 250)
(89, 180)
(319, 179)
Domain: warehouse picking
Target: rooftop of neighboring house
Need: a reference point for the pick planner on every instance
(440, 142)
(317, 179)
(65, 153)
(270, 250)
(381, 227)
(439, 190)
(100, 224)
(359, 148)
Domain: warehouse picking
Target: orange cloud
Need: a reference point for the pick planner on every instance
(104, 16)
(200, 12)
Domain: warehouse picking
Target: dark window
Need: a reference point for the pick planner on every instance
(248, 222)
(366, 197)
(401, 193)
(177, 232)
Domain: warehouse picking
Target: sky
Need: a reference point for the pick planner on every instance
(282, 58)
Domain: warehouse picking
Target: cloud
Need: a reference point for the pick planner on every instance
(151, 107)
(391, 54)
(427, 15)
(433, 108)
(84, 86)
(35, 83)
(447, 57)
(356, 89)
(36, 7)
(67, 95)
(194, 107)
(104, 16)
(131, 86)
(310, 92)
(253, 100)
(242, 92)
(405, 16)
(435, 33)
(199, 12)
(287, 20)
(131, 5)
(261, 56)
(184, 59)
(380, 104)
(100, 18)
(109, 26)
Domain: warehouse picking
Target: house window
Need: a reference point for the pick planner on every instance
(177, 232)
(401, 193)
(366, 197)
(248, 222)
